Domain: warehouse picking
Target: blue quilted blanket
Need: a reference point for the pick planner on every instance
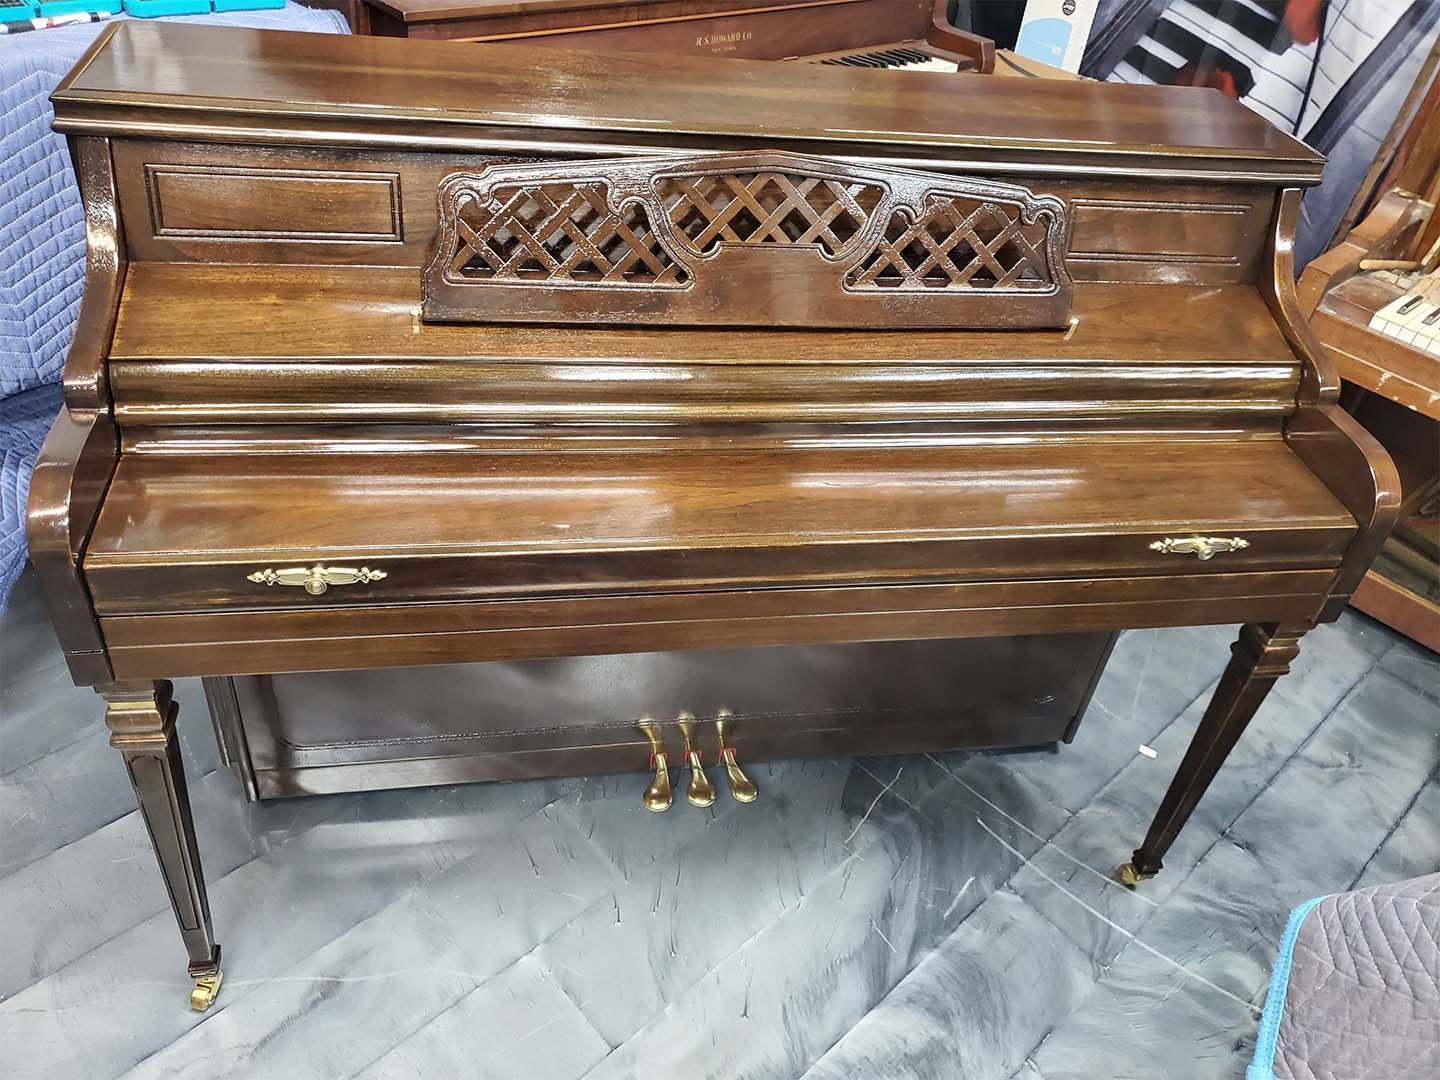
(42, 239)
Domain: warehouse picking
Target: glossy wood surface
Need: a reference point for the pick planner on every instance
(457, 525)
(1121, 232)
(168, 79)
(242, 314)
(321, 732)
(142, 646)
(256, 402)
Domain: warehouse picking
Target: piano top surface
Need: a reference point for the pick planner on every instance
(458, 9)
(148, 78)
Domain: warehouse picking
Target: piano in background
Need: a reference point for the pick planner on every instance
(390, 359)
(912, 35)
(1374, 301)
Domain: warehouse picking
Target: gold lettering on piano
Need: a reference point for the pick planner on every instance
(722, 43)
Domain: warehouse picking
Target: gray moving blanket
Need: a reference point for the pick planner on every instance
(1356, 988)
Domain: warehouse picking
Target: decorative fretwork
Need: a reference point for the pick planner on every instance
(750, 239)
(767, 208)
(958, 243)
(562, 233)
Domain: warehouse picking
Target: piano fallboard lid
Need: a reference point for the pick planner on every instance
(172, 80)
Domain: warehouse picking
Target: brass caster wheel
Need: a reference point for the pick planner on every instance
(1130, 875)
(206, 988)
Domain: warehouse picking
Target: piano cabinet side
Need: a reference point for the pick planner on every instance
(1342, 454)
(79, 455)
(71, 475)
(1358, 471)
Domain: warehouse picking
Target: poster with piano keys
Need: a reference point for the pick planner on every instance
(1334, 73)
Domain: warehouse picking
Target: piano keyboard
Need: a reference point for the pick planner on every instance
(1248, 42)
(901, 56)
(1413, 319)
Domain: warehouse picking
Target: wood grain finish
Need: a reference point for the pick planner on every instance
(75, 464)
(273, 204)
(409, 634)
(313, 477)
(331, 731)
(286, 89)
(573, 523)
(1126, 233)
(695, 241)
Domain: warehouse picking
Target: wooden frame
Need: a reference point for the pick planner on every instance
(692, 241)
(340, 428)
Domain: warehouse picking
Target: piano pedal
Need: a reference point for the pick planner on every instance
(1131, 875)
(699, 791)
(207, 987)
(742, 788)
(657, 797)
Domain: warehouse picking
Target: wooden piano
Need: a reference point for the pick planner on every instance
(1374, 302)
(910, 35)
(404, 354)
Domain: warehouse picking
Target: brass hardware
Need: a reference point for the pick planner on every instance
(657, 797)
(699, 791)
(742, 788)
(206, 987)
(1202, 547)
(316, 579)
(1131, 875)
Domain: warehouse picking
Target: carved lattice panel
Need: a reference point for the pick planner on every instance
(957, 243)
(755, 239)
(767, 208)
(565, 232)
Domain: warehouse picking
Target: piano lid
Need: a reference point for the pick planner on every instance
(260, 86)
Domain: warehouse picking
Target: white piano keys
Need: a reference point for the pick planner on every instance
(1413, 319)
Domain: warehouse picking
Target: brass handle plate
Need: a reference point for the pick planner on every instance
(316, 579)
(1202, 547)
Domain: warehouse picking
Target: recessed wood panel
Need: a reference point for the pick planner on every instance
(1130, 238)
(208, 201)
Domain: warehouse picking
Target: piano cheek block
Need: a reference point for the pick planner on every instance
(453, 428)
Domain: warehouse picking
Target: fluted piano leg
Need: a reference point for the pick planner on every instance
(141, 719)
(1261, 655)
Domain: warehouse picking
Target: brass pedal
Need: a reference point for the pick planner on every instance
(742, 788)
(700, 792)
(657, 797)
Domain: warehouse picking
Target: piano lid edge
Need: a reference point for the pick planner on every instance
(132, 116)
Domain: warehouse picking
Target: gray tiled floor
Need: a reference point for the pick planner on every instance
(943, 916)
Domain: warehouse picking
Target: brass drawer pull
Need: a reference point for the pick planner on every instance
(316, 579)
(1202, 547)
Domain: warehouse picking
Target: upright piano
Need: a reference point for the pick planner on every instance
(911, 35)
(403, 354)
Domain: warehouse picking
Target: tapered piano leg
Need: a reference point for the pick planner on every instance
(1261, 655)
(141, 719)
